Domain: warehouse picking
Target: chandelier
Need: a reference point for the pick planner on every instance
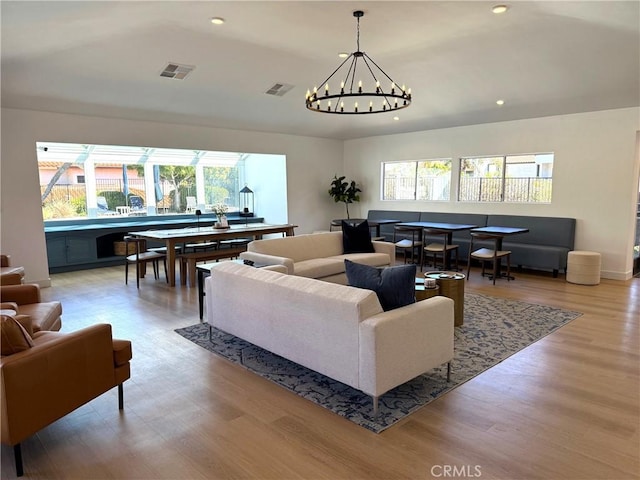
(357, 99)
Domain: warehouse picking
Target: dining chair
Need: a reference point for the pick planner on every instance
(141, 257)
(406, 244)
(438, 248)
(489, 255)
(201, 246)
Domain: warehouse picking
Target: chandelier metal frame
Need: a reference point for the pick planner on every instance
(396, 98)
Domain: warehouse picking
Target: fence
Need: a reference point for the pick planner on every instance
(429, 188)
(67, 201)
(521, 189)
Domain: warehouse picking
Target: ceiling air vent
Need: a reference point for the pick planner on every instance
(279, 89)
(177, 71)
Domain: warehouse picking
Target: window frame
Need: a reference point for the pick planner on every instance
(416, 180)
(504, 187)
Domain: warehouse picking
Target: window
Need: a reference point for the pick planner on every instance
(508, 178)
(84, 181)
(416, 180)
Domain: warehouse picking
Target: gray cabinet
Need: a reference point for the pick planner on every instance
(71, 250)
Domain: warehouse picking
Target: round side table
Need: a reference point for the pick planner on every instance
(422, 292)
(452, 286)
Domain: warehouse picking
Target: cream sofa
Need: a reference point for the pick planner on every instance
(337, 330)
(317, 255)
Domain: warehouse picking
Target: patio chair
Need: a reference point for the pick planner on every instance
(103, 206)
(137, 205)
(191, 205)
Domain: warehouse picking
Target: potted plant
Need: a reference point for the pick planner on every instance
(344, 191)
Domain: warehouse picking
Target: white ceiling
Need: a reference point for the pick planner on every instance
(105, 58)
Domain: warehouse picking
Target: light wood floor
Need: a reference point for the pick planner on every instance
(567, 407)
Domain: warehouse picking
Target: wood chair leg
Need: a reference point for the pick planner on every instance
(166, 274)
(494, 273)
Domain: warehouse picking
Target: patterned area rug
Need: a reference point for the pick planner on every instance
(493, 330)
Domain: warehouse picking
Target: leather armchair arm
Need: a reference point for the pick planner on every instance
(20, 294)
(5, 260)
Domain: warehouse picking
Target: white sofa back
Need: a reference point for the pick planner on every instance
(300, 247)
(310, 322)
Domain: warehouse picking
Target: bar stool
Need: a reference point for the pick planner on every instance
(142, 257)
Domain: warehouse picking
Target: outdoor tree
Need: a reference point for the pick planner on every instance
(178, 177)
(63, 168)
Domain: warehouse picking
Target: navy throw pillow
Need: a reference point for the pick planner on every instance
(395, 286)
(356, 239)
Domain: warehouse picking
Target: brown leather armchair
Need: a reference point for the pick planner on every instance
(65, 370)
(26, 300)
(10, 275)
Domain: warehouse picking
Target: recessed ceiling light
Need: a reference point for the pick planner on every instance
(343, 54)
(217, 20)
(500, 102)
(499, 9)
(396, 118)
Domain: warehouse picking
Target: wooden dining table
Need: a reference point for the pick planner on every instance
(174, 236)
(356, 221)
(499, 232)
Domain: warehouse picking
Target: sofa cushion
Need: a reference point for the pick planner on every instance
(394, 286)
(14, 338)
(318, 267)
(356, 238)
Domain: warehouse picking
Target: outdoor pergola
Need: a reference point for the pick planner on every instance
(88, 156)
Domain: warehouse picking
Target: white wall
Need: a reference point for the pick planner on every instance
(266, 175)
(311, 164)
(595, 173)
